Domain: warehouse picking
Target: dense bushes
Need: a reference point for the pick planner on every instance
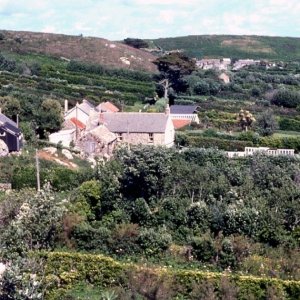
(281, 142)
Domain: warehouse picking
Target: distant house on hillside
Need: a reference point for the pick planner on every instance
(187, 113)
(242, 63)
(10, 134)
(213, 63)
(141, 128)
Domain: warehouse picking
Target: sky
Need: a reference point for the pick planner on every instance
(118, 19)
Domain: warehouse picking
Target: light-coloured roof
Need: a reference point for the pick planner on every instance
(103, 133)
(107, 107)
(135, 122)
(85, 106)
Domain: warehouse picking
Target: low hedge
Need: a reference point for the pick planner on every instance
(212, 142)
(289, 124)
(281, 142)
(63, 270)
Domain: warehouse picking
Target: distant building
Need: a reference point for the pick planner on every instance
(184, 112)
(213, 63)
(242, 63)
(10, 134)
(265, 150)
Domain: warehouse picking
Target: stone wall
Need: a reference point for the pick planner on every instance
(143, 138)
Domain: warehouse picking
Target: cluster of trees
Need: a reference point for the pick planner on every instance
(147, 199)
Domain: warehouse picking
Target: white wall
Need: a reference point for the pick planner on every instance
(63, 136)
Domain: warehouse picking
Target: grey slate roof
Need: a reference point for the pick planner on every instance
(135, 122)
(183, 109)
(103, 133)
(8, 124)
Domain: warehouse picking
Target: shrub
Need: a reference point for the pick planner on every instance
(289, 124)
(88, 238)
(203, 248)
(286, 98)
(154, 242)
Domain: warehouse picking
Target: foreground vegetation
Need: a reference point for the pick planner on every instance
(215, 224)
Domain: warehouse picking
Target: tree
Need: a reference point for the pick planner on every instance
(146, 171)
(35, 224)
(266, 123)
(49, 117)
(245, 119)
(286, 98)
(172, 68)
(136, 43)
(12, 107)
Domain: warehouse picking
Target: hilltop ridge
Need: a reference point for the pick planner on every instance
(234, 46)
(88, 49)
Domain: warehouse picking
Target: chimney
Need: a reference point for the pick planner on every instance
(167, 110)
(66, 106)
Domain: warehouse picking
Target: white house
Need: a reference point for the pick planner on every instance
(79, 112)
(249, 151)
(65, 137)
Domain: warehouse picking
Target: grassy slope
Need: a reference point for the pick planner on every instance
(279, 48)
(90, 49)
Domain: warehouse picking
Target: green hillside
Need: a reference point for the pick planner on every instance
(279, 48)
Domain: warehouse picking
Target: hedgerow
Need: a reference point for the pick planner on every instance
(63, 270)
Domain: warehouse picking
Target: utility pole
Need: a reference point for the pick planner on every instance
(37, 163)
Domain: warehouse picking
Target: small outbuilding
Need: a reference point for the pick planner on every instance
(10, 134)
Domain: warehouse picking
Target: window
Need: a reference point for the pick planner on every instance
(151, 138)
(120, 136)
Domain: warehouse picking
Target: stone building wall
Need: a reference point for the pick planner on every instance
(92, 146)
(143, 138)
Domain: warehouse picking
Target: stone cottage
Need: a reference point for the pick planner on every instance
(97, 142)
(141, 128)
